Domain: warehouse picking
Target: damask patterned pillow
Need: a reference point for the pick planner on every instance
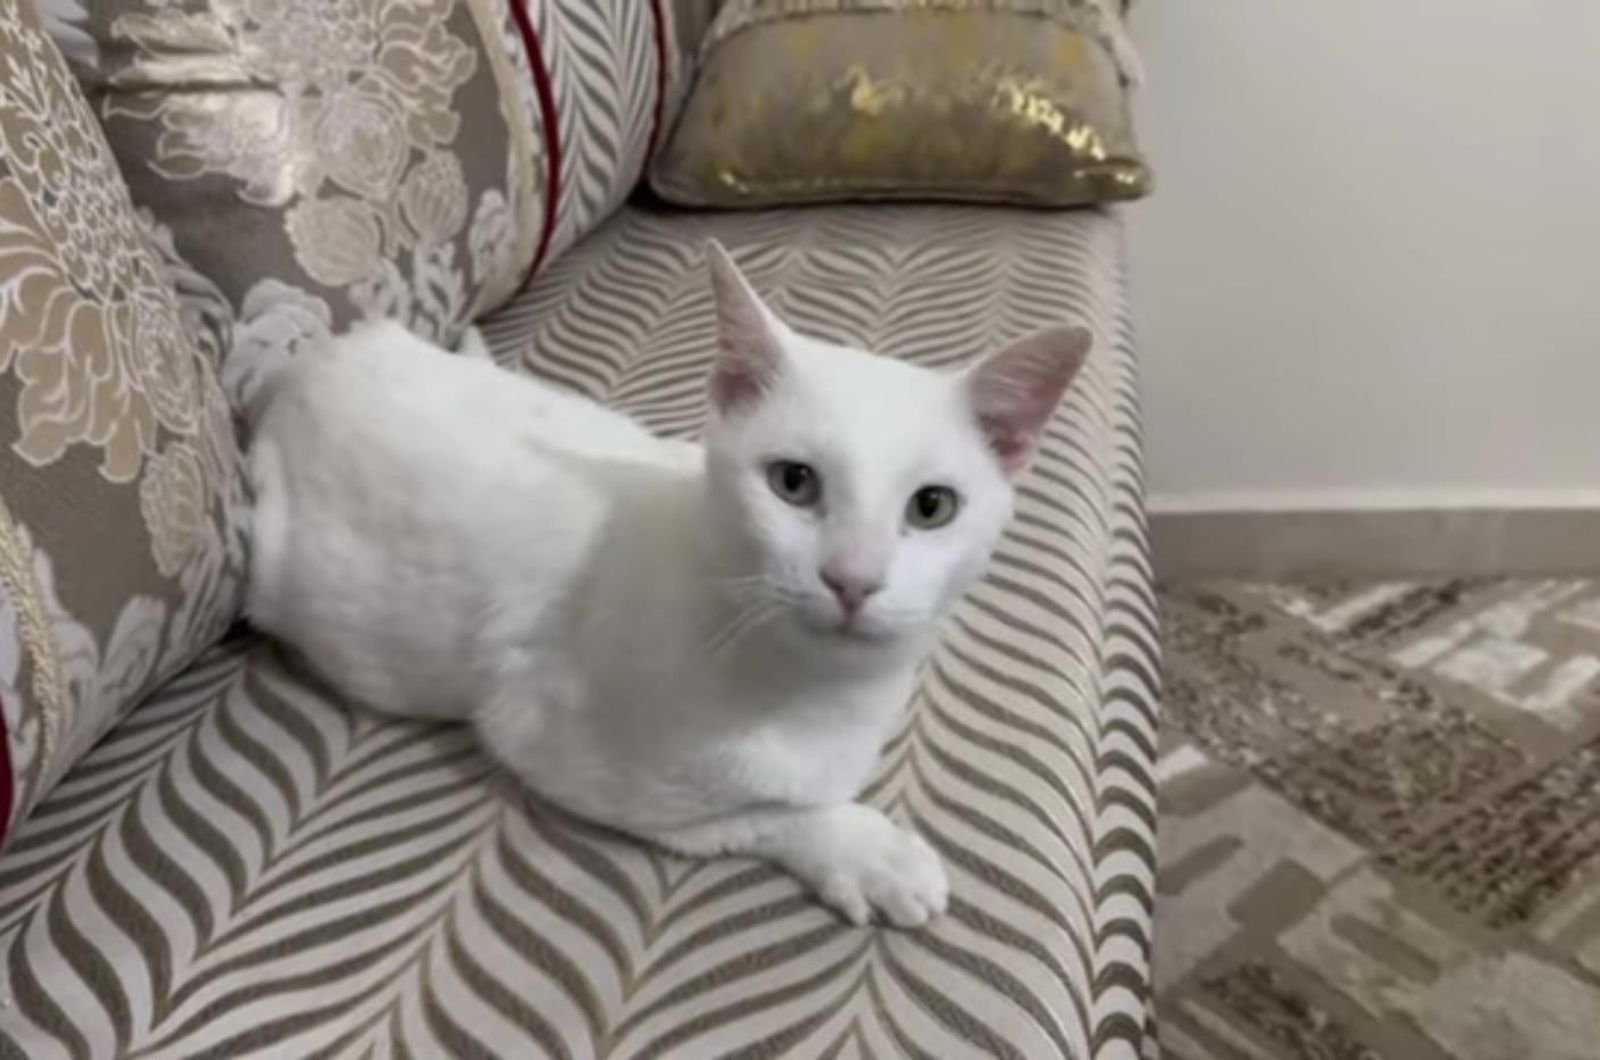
(329, 160)
(324, 160)
(121, 505)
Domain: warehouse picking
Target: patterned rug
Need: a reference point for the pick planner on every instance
(1380, 822)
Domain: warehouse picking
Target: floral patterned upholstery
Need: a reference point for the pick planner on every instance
(120, 536)
(328, 160)
(324, 160)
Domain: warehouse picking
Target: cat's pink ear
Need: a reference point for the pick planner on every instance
(749, 336)
(1015, 391)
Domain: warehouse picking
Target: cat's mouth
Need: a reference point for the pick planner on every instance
(849, 629)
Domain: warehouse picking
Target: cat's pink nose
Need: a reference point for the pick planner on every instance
(850, 587)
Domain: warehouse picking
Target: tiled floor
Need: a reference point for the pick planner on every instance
(1380, 822)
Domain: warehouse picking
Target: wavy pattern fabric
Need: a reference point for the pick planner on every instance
(604, 62)
(245, 868)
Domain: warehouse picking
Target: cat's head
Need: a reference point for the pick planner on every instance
(861, 495)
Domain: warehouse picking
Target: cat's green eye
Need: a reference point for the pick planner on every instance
(795, 483)
(932, 507)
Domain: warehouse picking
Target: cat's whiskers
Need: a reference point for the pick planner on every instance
(760, 608)
(752, 598)
(743, 583)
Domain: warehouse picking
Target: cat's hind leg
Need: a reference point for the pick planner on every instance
(473, 347)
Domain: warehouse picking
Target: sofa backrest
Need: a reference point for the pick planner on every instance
(122, 510)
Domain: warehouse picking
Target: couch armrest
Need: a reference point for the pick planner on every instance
(692, 18)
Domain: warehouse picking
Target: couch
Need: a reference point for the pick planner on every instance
(208, 854)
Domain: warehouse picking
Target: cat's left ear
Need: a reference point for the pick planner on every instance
(1014, 392)
(749, 336)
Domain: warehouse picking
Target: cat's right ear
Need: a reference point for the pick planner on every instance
(749, 336)
(1014, 392)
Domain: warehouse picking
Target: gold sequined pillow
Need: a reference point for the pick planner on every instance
(121, 500)
(1017, 101)
(324, 161)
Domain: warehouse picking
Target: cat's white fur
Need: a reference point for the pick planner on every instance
(639, 628)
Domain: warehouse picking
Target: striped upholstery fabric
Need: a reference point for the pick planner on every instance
(606, 72)
(247, 869)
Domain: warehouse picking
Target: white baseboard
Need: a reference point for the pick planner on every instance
(1507, 536)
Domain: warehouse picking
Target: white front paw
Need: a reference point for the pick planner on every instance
(884, 871)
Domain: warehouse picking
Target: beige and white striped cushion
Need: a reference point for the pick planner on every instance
(606, 72)
(245, 868)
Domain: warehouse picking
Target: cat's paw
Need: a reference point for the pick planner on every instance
(853, 857)
(881, 871)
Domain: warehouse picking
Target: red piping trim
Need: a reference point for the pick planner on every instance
(7, 780)
(552, 131)
(661, 79)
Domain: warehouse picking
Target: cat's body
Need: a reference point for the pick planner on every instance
(603, 680)
(662, 638)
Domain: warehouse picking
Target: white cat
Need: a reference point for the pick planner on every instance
(702, 647)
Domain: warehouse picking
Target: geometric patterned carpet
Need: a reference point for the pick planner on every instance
(1380, 822)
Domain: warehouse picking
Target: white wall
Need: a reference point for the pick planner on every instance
(1370, 274)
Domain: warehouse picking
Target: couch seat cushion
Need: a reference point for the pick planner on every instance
(248, 868)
